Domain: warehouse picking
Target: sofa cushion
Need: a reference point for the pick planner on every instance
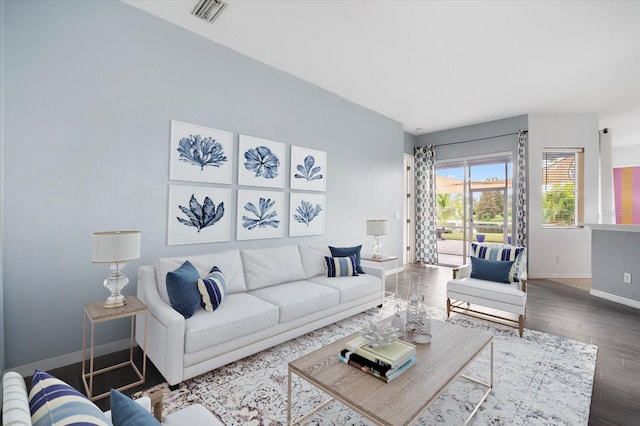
(348, 251)
(491, 270)
(239, 315)
(125, 411)
(312, 257)
(15, 401)
(228, 261)
(270, 266)
(53, 402)
(490, 290)
(299, 298)
(352, 288)
(341, 266)
(182, 287)
(212, 289)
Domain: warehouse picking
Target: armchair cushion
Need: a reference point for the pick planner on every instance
(491, 270)
(502, 252)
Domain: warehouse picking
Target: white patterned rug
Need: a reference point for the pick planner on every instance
(539, 379)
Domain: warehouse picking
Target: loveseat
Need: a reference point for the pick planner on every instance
(272, 295)
(496, 278)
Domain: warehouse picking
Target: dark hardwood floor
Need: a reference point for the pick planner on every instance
(551, 308)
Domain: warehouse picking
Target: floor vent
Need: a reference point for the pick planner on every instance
(209, 10)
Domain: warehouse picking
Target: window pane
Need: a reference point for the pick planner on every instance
(561, 188)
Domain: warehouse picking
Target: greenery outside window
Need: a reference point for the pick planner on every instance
(562, 188)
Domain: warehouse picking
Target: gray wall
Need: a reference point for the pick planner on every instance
(91, 88)
(409, 143)
(612, 254)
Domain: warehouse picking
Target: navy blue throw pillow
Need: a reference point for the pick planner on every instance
(491, 270)
(346, 252)
(182, 287)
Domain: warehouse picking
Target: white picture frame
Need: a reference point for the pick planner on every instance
(308, 169)
(178, 232)
(307, 213)
(200, 154)
(260, 214)
(261, 162)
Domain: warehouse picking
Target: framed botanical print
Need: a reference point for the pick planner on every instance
(260, 214)
(306, 214)
(261, 162)
(308, 169)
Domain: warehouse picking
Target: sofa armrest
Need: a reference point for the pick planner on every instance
(380, 273)
(165, 329)
(463, 271)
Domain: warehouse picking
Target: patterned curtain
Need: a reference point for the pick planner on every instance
(521, 200)
(426, 243)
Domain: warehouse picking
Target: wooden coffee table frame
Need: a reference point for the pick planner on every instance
(439, 364)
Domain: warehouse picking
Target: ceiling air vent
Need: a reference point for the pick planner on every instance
(209, 10)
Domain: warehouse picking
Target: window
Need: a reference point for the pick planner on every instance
(562, 188)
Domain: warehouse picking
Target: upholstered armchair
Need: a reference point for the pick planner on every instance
(495, 278)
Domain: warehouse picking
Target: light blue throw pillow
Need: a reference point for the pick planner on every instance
(126, 412)
(491, 270)
(212, 289)
(182, 288)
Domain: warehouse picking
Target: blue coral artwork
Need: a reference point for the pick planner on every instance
(260, 214)
(261, 162)
(198, 214)
(306, 214)
(200, 154)
(308, 169)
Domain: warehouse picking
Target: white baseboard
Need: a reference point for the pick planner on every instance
(70, 358)
(617, 299)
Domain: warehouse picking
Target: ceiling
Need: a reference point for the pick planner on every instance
(435, 65)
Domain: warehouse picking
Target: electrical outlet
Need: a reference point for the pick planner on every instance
(627, 278)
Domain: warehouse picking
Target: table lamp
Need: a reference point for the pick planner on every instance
(377, 228)
(116, 248)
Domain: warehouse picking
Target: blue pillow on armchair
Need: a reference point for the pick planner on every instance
(491, 270)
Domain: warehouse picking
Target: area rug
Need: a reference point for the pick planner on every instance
(539, 379)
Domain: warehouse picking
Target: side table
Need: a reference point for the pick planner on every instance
(96, 313)
(383, 259)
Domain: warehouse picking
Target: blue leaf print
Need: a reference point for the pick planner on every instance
(201, 151)
(263, 218)
(201, 216)
(306, 212)
(308, 171)
(262, 161)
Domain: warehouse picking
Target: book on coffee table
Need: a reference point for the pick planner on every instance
(366, 366)
(392, 355)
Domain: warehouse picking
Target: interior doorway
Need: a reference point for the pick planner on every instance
(473, 203)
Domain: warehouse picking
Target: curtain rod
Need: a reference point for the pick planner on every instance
(481, 139)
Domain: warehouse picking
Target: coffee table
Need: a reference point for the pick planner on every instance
(400, 402)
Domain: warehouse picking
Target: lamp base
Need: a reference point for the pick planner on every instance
(108, 304)
(377, 256)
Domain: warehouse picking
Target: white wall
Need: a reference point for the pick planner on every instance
(628, 155)
(572, 245)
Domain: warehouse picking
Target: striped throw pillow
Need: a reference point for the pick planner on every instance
(341, 266)
(212, 289)
(15, 402)
(53, 402)
(500, 252)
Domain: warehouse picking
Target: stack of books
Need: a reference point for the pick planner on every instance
(384, 362)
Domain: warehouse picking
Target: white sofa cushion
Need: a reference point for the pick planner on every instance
(15, 402)
(351, 288)
(228, 261)
(300, 298)
(312, 257)
(500, 292)
(240, 314)
(270, 266)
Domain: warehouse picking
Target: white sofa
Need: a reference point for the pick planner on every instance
(273, 295)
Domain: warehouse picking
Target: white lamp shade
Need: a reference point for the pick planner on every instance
(116, 246)
(377, 227)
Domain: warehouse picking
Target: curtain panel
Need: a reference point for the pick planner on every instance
(521, 200)
(425, 181)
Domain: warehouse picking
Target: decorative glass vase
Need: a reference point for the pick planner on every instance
(422, 329)
(413, 301)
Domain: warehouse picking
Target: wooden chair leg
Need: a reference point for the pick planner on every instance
(520, 324)
(448, 307)
(156, 403)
